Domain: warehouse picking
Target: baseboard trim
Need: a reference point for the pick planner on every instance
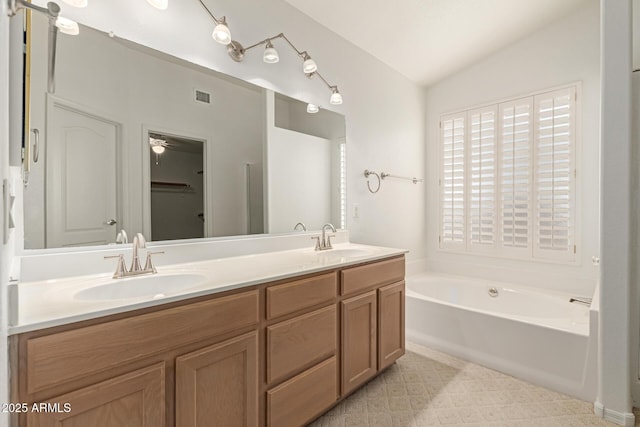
(626, 419)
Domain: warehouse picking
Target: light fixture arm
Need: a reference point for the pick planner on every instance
(217, 21)
(14, 6)
(265, 41)
(315, 73)
(300, 53)
(52, 11)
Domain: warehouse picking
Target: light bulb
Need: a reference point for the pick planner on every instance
(158, 149)
(312, 108)
(336, 98)
(309, 65)
(67, 26)
(270, 55)
(76, 3)
(221, 33)
(159, 4)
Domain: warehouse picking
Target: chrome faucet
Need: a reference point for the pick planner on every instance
(122, 238)
(139, 242)
(300, 227)
(324, 243)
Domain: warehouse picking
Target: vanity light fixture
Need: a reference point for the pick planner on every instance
(76, 3)
(312, 108)
(221, 32)
(270, 55)
(158, 4)
(336, 97)
(309, 67)
(236, 51)
(67, 26)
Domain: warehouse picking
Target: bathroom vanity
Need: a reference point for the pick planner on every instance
(275, 353)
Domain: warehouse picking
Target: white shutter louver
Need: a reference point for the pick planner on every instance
(452, 181)
(515, 176)
(482, 179)
(554, 184)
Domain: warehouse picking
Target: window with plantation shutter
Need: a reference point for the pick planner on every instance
(516, 134)
(481, 179)
(554, 137)
(507, 181)
(452, 182)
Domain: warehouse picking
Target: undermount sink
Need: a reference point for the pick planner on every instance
(153, 286)
(339, 254)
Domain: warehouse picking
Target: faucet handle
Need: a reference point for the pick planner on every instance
(121, 268)
(317, 248)
(148, 265)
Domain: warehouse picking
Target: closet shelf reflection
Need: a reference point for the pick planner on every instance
(170, 186)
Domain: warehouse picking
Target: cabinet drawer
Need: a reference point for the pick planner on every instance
(371, 275)
(291, 297)
(297, 343)
(303, 397)
(56, 358)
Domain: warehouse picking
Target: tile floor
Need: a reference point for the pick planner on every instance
(429, 388)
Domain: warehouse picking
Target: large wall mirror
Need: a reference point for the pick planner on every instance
(138, 140)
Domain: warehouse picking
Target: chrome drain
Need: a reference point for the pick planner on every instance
(493, 292)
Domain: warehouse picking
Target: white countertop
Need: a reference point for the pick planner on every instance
(47, 303)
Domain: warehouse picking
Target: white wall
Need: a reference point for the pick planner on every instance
(139, 90)
(566, 51)
(299, 190)
(299, 177)
(384, 111)
(303, 165)
(614, 388)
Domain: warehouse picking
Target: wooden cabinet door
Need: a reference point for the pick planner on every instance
(218, 385)
(135, 399)
(390, 324)
(359, 340)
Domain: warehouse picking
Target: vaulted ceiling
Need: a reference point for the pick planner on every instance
(427, 40)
